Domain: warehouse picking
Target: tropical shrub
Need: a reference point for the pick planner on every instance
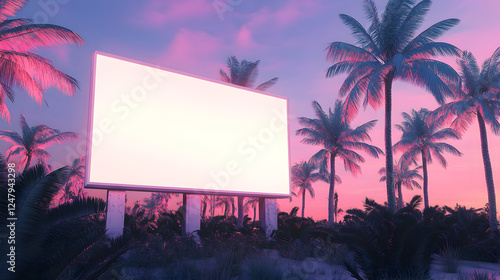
(67, 241)
(386, 245)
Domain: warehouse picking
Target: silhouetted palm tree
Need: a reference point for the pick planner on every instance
(225, 202)
(478, 97)
(403, 176)
(303, 175)
(157, 202)
(205, 200)
(20, 67)
(254, 203)
(34, 141)
(74, 187)
(243, 74)
(334, 133)
(389, 50)
(421, 134)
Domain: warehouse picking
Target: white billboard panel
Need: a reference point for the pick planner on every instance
(152, 129)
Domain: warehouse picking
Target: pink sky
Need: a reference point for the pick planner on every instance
(289, 38)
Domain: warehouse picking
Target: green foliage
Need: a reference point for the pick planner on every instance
(387, 245)
(450, 259)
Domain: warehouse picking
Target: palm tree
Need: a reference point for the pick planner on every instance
(34, 141)
(243, 74)
(477, 96)
(303, 175)
(74, 187)
(421, 133)
(254, 203)
(334, 133)
(20, 67)
(225, 202)
(403, 176)
(157, 202)
(388, 50)
(205, 200)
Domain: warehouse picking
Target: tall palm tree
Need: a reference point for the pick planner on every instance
(243, 74)
(421, 136)
(254, 203)
(333, 132)
(389, 50)
(403, 176)
(303, 175)
(478, 96)
(33, 142)
(19, 66)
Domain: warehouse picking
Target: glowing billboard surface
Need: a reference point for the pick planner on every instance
(153, 129)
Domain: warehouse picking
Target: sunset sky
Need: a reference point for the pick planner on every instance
(289, 38)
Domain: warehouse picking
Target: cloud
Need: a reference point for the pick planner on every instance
(289, 13)
(159, 12)
(193, 50)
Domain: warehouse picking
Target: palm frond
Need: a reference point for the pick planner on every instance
(363, 37)
(413, 21)
(11, 137)
(80, 206)
(433, 32)
(340, 51)
(264, 86)
(59, 138)
(32, 36)
(9, 8)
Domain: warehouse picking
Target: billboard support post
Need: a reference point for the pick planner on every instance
(268, 215)
(115, 213)
(192, 215)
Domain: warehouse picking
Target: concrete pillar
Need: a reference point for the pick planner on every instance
(192, 215)
(268, 215)
(115, 213)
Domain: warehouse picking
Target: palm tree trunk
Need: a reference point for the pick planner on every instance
(426, 180)
(28, 161)
(336, 207)
(331, 214)
(204, 211)
(233, 209)
(254, 212)
(303, 201)
(391, 196)
(488, 173)
(240, 211)
(400, 196)
(212, 210)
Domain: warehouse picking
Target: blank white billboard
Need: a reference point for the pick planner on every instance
(153, 129)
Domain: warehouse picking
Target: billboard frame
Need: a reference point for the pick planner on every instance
(146, 188)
